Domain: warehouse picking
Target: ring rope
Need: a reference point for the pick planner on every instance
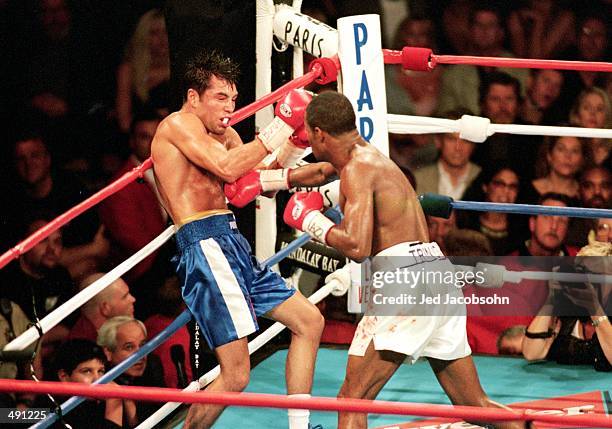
(420, 59)
(496, 276)
(179, 322)
(67, 308)
(481, 127)
(159, 394)
(315, 73)
(528, 209)
(442, 206)
(254, 345)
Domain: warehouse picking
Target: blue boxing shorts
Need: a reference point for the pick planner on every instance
(223, 285)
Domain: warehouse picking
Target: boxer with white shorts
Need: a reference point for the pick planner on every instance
(382, 220)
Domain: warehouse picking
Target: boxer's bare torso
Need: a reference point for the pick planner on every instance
(186, 188)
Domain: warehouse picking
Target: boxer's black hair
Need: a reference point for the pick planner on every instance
(332, 112)
(204, 65)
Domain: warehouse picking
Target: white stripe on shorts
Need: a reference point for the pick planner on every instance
(237, 305)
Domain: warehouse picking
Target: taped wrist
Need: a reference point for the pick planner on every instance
(317, 225)
(274, 180)
(275, 134)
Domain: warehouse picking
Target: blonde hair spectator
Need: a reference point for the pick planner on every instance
(146, 65)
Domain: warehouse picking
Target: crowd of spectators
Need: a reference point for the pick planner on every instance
(82, 105)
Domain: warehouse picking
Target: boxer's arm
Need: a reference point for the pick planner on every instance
(186, 132)
(353, 237)
(311, 175)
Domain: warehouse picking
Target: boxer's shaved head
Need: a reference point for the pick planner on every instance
(332, 112)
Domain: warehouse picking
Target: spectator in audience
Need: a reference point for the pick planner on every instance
(572, 326)
(539, 104)
(133, 216)
(541, 29)
(595, 191)
(439, 227)
(592, 109)
(170, 295)
(146, 66)
(548, 233)
(82, 361)
(13, 323)
(461, 83)
(413, 92)
(40, 188)
(453, 172)
(120, 337)
(500, 98)
(114, 300)
(455, 20)
(496, 184)
(510, 342)
(38, 283)
(565, 156)
(602, 232)
(500, 101)
(592, 45)
(466, 242)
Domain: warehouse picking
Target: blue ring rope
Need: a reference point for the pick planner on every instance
(532, 209)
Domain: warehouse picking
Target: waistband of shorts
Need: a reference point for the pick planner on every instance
(210, 226)
(405, 254)
(400, 249)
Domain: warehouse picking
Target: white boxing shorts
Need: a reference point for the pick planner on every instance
(441, 334)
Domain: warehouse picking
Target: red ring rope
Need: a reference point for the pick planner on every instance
(158, 394)
(397, 57)
(276, 95)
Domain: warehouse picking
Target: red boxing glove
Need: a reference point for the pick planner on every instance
(300, 138)
(254, 183)
(290, 112)
(293, 149)
(303, 212)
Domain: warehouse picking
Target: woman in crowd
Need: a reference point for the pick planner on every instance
(559, 167)
(592, 109)
(499, 184)
(145, 69)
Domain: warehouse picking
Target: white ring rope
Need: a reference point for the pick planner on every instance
(254, 345)
(495, 276)
(477, 129)
(64, 310)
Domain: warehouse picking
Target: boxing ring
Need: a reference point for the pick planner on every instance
(284, 22)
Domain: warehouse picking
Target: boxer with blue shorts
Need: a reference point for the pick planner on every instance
(195, 152)
(223, 285)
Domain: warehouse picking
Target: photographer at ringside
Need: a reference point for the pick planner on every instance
(573, 327)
